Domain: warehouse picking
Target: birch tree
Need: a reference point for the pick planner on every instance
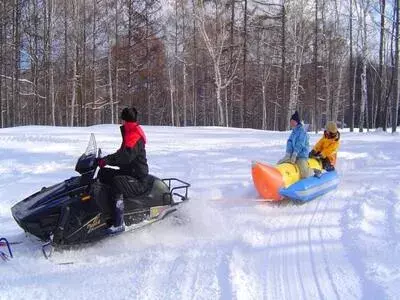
(299, 36)
(395, 106)
(215, 47)
(381, 81)
(74, 59)
(364, 7)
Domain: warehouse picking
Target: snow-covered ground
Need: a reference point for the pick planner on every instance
(343, 245)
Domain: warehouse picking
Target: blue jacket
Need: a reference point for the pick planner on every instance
(298, 142)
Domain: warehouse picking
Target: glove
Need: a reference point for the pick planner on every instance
(314, 154)
(293, 158)
(101, 162)
(286, 158)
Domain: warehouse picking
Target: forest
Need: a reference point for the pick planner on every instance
(235, 63)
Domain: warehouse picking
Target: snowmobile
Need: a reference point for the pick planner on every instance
(78, 210)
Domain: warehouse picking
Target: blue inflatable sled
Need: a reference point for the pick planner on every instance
(311, 187)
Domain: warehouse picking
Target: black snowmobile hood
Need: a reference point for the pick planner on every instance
(46, 198)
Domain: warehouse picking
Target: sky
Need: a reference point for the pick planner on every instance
(225, 243)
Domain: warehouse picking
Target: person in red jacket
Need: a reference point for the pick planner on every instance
(130, 179)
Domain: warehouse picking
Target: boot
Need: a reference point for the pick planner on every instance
(326, 164)
(317, 173)
(119, 225)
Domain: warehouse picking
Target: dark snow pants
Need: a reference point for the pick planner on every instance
(326, 164)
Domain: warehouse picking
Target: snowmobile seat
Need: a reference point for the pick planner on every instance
(156, 194)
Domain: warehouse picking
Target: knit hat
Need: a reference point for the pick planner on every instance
(295, 117)
(331, 127)
(129, 114)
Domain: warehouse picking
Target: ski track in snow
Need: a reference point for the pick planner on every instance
(227, 245)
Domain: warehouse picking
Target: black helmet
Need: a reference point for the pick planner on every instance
(129, 114)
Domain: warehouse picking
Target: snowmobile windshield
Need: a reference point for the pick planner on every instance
(87, 161)
(91, 148)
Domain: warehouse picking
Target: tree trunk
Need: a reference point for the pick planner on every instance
(294, 85)
(244, 87)
(74, 62)
(16, 104)
(353, 96)
(389, 86)
(130, 20)
(395, 106)
(66, 61)
(264, 107)
(381, 85)
(351, 81)
(218, 84)
(194, 76)
(336, 101)
(116, 64)
(175, 79)
(148, 75)
(94, 94)
(184, 93)
(283, 57)
(171, 91)
(83, 116)
(46, 60)
(315, 67)
(110, 91)
(51, 70)
(231, 62)
(184, 74)
(74, 84)
(35, 67)
(2, 12)
(226, 108)
(364, 92)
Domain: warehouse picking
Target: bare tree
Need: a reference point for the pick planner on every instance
(299, 37)
(50, 12)
(283, 56)
(381, 86)
(74, 60)
(2, 39)
(351, 84)
(15, 102)
(316, 68)
(243, 117)
(215, 49)
(364, 59)
(395, 106)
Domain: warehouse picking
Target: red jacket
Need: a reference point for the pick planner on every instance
(131, 156)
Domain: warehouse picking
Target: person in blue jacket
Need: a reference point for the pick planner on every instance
(297, 147)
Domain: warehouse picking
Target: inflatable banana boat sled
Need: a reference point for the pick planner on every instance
(274, 183)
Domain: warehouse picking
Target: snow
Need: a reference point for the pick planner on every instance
(228, 245)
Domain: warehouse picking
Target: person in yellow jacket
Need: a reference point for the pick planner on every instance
(327, 147)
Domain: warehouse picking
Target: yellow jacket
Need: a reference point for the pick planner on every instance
(328, 147)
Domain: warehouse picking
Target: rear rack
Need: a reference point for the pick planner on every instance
(175, 184)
